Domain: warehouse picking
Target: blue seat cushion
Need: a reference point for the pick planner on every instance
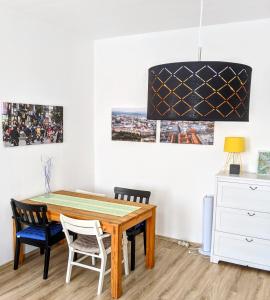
(38, 233)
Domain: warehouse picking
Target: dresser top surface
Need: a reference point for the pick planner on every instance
(243, 176)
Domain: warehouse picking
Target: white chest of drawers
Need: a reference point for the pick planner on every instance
(241, 220)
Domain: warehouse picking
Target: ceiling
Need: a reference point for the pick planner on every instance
(108, 18)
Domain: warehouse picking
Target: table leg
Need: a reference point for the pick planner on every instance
(150, 240)
(22, 255)
(116, 263)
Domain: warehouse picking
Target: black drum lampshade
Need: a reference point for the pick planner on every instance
(199, 91)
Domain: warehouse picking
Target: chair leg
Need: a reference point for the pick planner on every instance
(75, 255)
(69, 268)
(41, 251)
(125, 256)
(93, 260)
(17, 254)
(133, 246)
(144, 240)
(101, 275)
(47, 262)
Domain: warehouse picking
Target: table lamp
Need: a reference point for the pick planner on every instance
(234, 146)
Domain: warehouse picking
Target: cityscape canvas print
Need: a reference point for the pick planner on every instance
(132, 125)
(187, 132)
(28, 124)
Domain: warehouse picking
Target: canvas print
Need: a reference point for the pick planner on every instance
(264, 163)
(132, 125)
(187, 132)
(28, 124)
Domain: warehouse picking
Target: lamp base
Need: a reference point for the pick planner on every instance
(234, 169)
(234, 160)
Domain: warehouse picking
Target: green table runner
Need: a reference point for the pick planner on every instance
(103, 207)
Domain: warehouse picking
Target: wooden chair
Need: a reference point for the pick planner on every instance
(135, 196)
(91, 242)
(39, 231)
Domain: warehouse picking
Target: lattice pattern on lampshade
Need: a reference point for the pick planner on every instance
(199, 91)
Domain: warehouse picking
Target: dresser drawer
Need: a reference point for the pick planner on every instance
(244, 196)
(256, 251)
(243, 222)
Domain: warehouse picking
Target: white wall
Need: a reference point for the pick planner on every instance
(178, 175)
(41, 65)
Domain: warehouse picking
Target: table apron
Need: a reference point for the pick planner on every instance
(137, 220)
(106, 226)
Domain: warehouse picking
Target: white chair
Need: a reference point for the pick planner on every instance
(100, 195)
(91, 242)
(89, 193)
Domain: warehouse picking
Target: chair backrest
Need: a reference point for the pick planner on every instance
(28, 214)
(132, 195)
(89, 193)
(85, 227)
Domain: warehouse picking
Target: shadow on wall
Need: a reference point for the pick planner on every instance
(171, 209)
(174, 215)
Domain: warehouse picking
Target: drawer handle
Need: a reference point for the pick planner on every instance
(251, 214)
(249, 240)
(253, 188)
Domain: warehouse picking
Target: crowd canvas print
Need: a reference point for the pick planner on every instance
(187, 132)
(29, 124)
(132, 125)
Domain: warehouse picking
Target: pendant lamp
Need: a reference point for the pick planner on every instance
(199, 90)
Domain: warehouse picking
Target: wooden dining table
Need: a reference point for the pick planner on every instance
(115, 225)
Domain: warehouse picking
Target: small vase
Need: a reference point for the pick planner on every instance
(47, 167)
(47, 187)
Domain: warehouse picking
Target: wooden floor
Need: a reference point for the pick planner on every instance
(177, 275)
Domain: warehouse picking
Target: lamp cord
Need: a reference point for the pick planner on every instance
(200, 33)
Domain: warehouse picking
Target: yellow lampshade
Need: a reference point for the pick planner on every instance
(234, 144)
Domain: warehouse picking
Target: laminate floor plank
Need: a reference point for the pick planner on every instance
(178, 275)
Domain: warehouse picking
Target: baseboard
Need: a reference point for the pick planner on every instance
(27, 255)
(166, 238)
(173, 240)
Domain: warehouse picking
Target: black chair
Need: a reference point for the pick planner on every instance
(135, 196)
(39, 231)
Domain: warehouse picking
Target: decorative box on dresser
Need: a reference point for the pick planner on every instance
(241, 220)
